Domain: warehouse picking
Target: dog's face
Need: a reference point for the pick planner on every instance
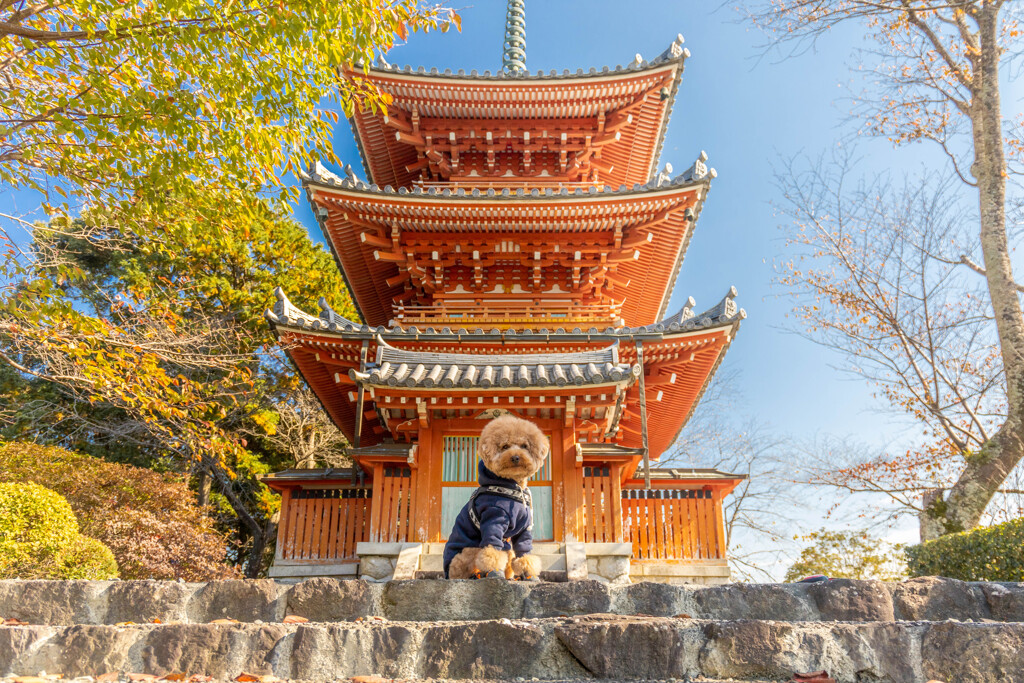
(513, 448)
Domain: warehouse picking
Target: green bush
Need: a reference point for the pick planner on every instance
(150, 521)
(39, 538)
(87, 558)
(993, 553)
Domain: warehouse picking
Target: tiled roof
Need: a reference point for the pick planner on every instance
(404, 367)
(723, 313)
(675, 51)
(697, 172)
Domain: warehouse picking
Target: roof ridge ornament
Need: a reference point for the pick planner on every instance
(513, 56)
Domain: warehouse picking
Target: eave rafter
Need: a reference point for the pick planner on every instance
(504, 151)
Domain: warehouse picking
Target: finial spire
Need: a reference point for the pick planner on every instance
(513, 57)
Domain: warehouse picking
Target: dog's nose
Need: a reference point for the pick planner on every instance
(515, 459)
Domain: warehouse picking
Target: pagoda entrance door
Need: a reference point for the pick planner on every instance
(459, 480)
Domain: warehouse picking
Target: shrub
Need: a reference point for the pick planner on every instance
(848, 555)
(994, 553)
(39, 538)
(148, 520)
(88, 558)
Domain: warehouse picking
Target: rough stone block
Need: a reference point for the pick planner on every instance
(455, 600)
(561, 599)
(53, 602)
(633, 647)
(17, 642)
(379, 567)
(325, 599)
(772, 601)
(654, 599)
(226, 651)
(933, 598)
(979, 653)
(494, 650)
(1005, 600)
(324, 652)
(144, 601)
(774, 650)
(852, 600)
(249, 600)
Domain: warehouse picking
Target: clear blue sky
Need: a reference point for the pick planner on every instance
(746, 112)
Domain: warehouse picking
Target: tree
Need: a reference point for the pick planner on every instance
(105, 98)
(39, 538)
(148, 520)
(759, 512)
(142, 339)
(937, 74)
(849, 555)
(876, 267)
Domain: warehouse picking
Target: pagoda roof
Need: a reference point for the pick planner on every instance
(646, 88)
(285, 314)
(355, 217)
(680, 358)
(427, 370)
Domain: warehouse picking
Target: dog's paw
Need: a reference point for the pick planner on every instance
(489, 575)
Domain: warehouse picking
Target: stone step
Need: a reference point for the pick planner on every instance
(329, 600)
(548, 563)
(595, 646)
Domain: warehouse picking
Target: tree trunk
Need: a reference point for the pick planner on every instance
(254, 563)
(988, 469)
(203, 496)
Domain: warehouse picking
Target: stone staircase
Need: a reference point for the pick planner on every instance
(860, 631)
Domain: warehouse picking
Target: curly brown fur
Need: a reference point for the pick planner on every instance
(515, 449)
(475, 562)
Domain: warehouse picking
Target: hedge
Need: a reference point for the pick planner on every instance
(993, 553)
(39, 538)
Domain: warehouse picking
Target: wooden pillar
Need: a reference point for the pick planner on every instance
(283, 527)
(376, 503)
(425, 466)
(720, 540)
(433, 501)
(616, 505)
(572, 486)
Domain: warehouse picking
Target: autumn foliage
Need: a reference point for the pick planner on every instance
(40, 539)
(149, 521)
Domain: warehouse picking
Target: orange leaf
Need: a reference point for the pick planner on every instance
(174, 677)
(224, 621)
(11, 621)
(294, 619)
(403, 30)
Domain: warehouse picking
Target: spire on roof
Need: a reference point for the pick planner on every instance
(513, 56)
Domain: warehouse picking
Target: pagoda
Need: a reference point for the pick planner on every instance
(513, 249)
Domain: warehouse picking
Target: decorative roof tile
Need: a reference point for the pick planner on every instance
(406, 368)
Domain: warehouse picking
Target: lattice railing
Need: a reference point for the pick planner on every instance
(324, 524)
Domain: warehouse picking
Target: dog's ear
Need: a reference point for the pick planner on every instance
(541, 445)
(487, 447)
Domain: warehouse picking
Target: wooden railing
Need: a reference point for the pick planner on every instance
(394, 507)
(462, 314)
(602, 506)
(667, 524)
(319, 525)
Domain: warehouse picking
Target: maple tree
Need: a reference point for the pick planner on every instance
(149, 520)
(936, 78)
(109, 98)
(139, 338)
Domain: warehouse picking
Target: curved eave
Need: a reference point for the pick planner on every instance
(365, 277)
(389, 78)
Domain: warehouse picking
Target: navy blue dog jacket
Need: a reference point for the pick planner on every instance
(499, 515)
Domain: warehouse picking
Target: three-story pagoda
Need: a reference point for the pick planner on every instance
(513, 250)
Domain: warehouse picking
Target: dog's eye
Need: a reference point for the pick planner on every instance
(526, 446)
(504, 446)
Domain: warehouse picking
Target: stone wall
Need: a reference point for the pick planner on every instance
(860, 631)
